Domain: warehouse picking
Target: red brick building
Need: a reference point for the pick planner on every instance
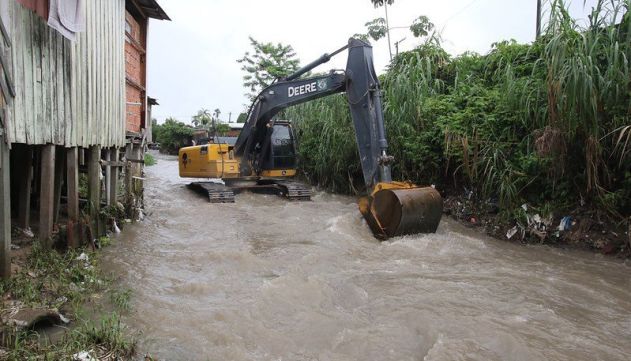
(137, 17)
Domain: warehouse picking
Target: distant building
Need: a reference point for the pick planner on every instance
(235, 129)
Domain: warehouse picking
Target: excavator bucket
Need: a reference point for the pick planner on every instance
(396, 209)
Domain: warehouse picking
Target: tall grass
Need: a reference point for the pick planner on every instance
(543, 123)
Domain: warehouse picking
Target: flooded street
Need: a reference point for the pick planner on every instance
(266, 279)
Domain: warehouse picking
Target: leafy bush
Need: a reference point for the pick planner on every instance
(172, 135)
(150, 159)
(543, 123)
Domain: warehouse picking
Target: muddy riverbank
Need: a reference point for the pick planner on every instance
(265, 279)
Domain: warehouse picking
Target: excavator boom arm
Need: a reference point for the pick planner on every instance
(361, 85)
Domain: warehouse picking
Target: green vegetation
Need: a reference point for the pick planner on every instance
(121, 299)
(222, 129)
(267, 62)
(70, 281)
(172, 135)
(150, 159)
(49, 276)
(106, 337)
(202, 118)
(378, 3)
(546, 124)
(242, 118)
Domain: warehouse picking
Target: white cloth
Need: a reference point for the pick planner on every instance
(67, 17)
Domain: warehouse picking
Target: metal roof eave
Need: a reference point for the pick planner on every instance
(152, 9)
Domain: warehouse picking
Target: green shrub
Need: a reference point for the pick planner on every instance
(542, 123)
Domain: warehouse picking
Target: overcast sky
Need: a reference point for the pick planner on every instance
(192, 59)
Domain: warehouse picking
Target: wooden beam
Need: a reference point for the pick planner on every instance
(24, 171)
(60, 162)
(5, 34)
(137, 161)
(72, 183)
(139, 9)
(7, 76)
(5, 211)
(94, 187)
(46, 194)
(110, 163)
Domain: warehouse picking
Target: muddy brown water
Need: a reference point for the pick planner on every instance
(266, 279)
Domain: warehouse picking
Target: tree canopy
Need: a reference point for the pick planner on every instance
(202, 118)
(265, 63)
(378, 3)
(421, 26)
(377, 28)
(172, 135)
(242, 118)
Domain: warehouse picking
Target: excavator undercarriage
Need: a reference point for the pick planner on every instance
(224, 193)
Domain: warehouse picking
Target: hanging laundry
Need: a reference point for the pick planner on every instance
(67, 17)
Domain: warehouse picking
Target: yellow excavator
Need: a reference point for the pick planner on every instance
(263, 159)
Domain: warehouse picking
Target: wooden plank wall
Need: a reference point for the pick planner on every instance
(69, 93)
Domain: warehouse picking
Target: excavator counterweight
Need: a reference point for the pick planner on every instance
(264, 155)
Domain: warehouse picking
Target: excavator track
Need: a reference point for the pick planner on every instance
(295, 191)
(217, 193)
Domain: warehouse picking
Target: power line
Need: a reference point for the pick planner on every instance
(459, 11)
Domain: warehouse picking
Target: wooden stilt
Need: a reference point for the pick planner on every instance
(108, 176)
(60, 161)
(129, 196)
(113, 181)
(94, 187)
(72, 183)
(24, 170)
(46, 194)
(5, 210)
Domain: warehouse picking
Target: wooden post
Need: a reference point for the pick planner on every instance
(128, 180)
(72, 183)
(24, 165)
(60, 161)
(137, 170)
(46, 194)
(5, 210)
(113, 182)
(108, 177)
(94, 187)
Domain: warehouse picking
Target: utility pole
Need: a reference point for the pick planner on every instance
(230, 117)
(385, 5)
(538, 31)
(396, 45)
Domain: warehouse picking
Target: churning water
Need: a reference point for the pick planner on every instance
(267, 279)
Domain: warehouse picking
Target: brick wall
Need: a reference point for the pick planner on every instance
(135, 104)
(135, 73)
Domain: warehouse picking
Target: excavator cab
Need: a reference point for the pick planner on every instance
(282, 148)
(281, 151)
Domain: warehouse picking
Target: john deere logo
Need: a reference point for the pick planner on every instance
(321, 84)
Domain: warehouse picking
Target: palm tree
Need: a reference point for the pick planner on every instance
(377, 3)
(201, 118)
